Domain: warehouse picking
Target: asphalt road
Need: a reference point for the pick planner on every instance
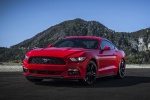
(135, 86)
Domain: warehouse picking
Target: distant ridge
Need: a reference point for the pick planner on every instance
(67, 28)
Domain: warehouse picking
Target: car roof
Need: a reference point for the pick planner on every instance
(87, 37)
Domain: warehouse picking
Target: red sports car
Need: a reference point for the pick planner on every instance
(84, 58)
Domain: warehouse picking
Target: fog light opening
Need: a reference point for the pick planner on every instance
(73, 72)
(25, 69)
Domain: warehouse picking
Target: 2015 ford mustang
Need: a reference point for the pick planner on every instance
(84, 58)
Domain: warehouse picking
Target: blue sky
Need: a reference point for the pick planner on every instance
(22, 19)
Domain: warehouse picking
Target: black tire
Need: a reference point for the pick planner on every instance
(90, 75)
(33, 80)
(121, 69)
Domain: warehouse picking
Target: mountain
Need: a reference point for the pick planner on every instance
(134, 44)
(67, 28)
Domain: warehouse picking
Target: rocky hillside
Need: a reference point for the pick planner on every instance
(67, 28)
(132, 43)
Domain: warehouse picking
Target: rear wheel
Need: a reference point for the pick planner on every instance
(121, 69)
(33, 80)
(90, 75)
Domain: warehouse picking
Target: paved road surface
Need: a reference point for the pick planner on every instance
(135, 86)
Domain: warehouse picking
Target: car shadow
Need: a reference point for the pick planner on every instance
(100, 82)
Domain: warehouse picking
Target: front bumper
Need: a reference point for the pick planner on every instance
(74, 70)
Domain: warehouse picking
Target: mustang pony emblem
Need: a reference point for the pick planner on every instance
(45, 59)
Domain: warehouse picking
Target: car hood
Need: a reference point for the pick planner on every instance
(56, 52)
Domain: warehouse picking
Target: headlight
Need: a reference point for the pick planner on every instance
(78, 59)
(26, 57)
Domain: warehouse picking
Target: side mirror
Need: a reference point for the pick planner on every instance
(49, 46)
(106, 48)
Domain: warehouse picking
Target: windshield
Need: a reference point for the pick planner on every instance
(77, 43)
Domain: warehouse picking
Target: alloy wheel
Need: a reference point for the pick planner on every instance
(90, 75)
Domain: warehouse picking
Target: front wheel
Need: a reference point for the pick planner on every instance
(90, 75)
(121, 69)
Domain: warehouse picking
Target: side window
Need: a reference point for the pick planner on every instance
(111, 46)
(106, 43)
(102, 45)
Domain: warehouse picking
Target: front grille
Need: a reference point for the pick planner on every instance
(46, 60)
(46, 72)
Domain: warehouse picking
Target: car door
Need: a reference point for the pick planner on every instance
(106, 58)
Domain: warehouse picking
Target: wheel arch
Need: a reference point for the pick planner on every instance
(124, 61)
(94, 60)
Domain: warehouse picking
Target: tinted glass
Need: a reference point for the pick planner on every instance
(106, 43)
(77, 43)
